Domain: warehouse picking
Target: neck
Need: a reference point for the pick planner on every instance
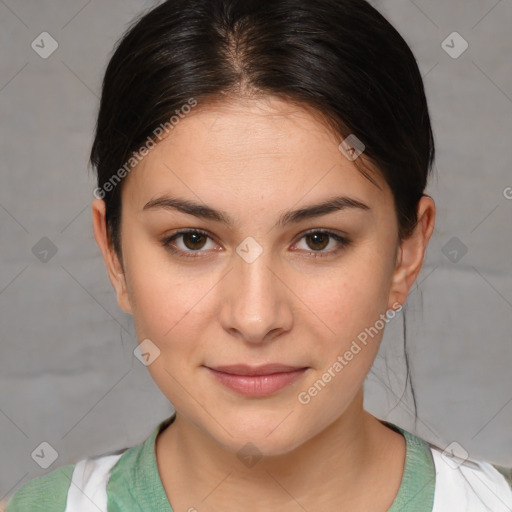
(335, 466)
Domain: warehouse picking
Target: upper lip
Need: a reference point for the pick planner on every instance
(266, 369)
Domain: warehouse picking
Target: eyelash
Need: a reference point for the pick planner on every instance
(166, 242)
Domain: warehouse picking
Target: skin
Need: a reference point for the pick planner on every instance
(255, 159)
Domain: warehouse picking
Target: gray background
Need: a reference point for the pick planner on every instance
(68, 373)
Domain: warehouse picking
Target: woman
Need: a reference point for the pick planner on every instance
(261, 212)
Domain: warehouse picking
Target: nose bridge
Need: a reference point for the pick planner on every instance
(256, 302)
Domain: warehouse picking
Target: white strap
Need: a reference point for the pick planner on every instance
(88, 489)
(463, 486)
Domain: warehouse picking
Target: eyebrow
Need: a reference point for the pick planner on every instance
(290, 217)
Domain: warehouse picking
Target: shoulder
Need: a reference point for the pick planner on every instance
(75, 486)
(87, 479)
(69, 486)
(46, 493)
(467, 484)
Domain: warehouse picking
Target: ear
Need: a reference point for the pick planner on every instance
(114, 267)
(411, 252)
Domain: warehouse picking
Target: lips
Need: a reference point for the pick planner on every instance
(256, 381)
(267, 369)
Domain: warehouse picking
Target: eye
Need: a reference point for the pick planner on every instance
(193, 240)
(318, 240)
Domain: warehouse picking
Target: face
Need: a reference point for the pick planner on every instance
(254, 284)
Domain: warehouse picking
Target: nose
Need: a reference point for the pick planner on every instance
(256, 300)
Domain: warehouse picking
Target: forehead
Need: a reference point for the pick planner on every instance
(241, 150)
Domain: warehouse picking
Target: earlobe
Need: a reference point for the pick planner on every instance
(412, 252)
(113, 265)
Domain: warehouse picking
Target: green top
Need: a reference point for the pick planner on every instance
(135, 483)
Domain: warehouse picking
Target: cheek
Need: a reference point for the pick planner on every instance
(173, 308)
(351, 307)
(350, 298)
(168, 313)
(157, 294)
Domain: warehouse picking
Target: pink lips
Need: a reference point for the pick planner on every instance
(257, 381)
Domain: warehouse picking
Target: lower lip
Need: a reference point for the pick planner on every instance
(257, 385)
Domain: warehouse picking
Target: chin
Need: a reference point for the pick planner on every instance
(264, 440)
(257, 447)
